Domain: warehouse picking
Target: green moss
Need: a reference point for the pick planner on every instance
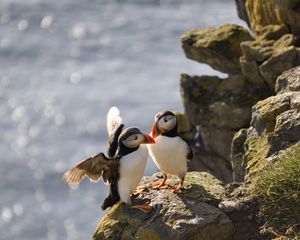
(257, 150)
(277, 189)
(147, 234)
(211, 186)
(270, 108)
(225, 38)
(113, 224)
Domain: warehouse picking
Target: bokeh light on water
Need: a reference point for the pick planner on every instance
(63, 64)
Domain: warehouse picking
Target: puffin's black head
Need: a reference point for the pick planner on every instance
(131, 138)
(165, 123)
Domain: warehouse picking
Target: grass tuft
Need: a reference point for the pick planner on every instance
(277, 189)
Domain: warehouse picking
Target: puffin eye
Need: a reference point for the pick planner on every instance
(133, 141)
(168, 117)
(132, 138)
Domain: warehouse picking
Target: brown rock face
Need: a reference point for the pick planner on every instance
(242, 12)
(237, 155)
(264, 60)
(257, 50)
(280, 61)
(217, 108)
(289, 81)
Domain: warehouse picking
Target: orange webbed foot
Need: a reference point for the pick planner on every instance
(145, 207)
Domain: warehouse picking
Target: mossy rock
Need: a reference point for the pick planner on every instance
(191, 214)
(265, 112)
(256, 154)
(275, 126)
(260, 141)
(219, 47)
(271, 32)
(262, 13)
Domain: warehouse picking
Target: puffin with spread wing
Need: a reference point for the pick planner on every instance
(124, 167)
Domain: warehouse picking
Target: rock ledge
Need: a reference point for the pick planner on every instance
(192, 214)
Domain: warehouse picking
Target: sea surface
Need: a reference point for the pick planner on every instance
(63, 63)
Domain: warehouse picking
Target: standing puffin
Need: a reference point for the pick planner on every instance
(171, 152)
(124, 167)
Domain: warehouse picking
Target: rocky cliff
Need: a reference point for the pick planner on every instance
(218, 108)
(266, 155)
(245, 132)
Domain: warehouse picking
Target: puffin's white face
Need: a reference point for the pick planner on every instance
(134, 140)
(133, 137)
(167, 123)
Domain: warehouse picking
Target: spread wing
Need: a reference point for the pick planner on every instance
(113, 141)
(113, 120)
(115, 126)
(94, 168)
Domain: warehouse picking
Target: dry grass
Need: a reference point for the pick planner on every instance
(277, 189)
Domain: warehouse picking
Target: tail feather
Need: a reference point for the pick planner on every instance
(113, 120)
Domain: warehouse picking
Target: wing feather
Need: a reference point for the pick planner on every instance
(113, 120)
(94, 168)
(189, 154)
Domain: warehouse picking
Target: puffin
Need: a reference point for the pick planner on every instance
(124, 166)
(171, 153)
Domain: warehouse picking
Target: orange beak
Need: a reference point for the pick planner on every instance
(148, 139)
(155, 130)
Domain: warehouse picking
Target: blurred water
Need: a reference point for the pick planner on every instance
(63, 64)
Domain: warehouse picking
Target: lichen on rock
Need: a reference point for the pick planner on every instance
(192, 214)
(273, 12)
(219, 47)
(275, 126)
